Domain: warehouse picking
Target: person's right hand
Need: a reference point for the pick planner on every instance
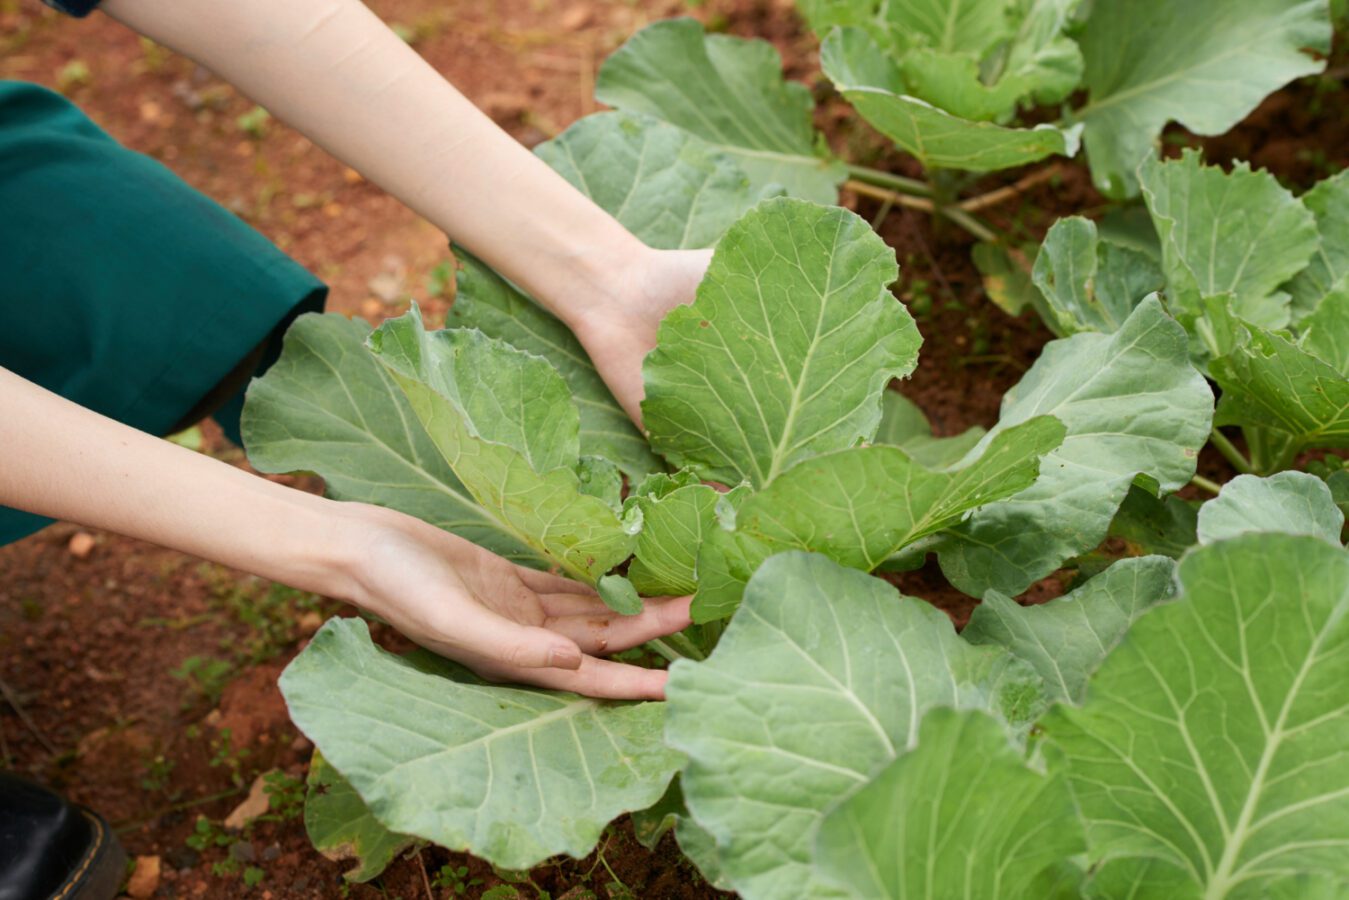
(504, 621)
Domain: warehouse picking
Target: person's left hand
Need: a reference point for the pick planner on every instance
(618, 334)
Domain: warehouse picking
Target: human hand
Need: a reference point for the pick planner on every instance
(504, 621)
(619, 333)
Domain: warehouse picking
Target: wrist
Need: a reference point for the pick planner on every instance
(601, 283)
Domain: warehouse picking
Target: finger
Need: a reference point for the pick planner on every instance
(611, 633)
(549, 583)
(599, 678)
(566, 604)
(481, 633)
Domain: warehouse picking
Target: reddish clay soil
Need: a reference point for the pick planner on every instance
(89, 642)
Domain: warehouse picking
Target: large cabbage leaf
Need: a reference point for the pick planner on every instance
(327, 406)
(1203, 63)
(505, 422)
(820, 679)
(510, 774)
(730, 92)
(959, 815)
(1209, 756)
(1133, 405)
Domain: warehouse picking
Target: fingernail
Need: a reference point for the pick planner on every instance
(564, 658)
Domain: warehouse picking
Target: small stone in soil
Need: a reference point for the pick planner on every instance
(144, 879)
(243, 851)
(81, 544)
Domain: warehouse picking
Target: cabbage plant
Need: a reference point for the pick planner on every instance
(1173, 726)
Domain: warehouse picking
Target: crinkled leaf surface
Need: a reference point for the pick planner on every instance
(1241, 234)
(1156, 525)
(729, 92)
(1329, 203)
(785, 351)
(1209, 756)
(1272, 383)
(1149, 62)
(1089, 284)
(504, 421)
(675, 517)
(859, 506)
(1290, 502)
(671, 189)
(1132, 403)
(328, 407)
(820, 679)
(959, 815)
(903, 425)
(340, 825)
(508, 774)
(873, 83)
(1066, 639)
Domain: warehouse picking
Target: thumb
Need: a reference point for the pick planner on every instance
(536, 648)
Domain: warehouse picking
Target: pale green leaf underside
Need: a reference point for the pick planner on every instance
(1210, 755)
(1205, 64)
(1066, 639)
(487, 302)
(1089, 284)
(1239, 233)
(730, 93)
(508, 774)
(785, 351)
(340, 825)
(328, 407)
(873, 84)
(1272, 383)
(1289, 502)
(820, 679)
(1329, 203)
(505, 423)
(1132, 403)
(960, 815)
(860, 506)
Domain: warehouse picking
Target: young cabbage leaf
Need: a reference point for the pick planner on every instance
(1329, 203)
(860, 506)
(874, 83)
(1289, 502)
(1066, 639)
(341, 827)
(1090, 284)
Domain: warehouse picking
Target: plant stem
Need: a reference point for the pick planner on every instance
(954, 213)
(1201, 482)
(889, 196)
(1016, 188)
(897, 183)
(686, 646)
(969, 223)
(664, 649)
(1231, 453)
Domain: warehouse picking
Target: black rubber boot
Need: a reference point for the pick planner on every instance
(54, 850)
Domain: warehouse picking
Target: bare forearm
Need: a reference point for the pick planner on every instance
(332, 70)
(63, 461)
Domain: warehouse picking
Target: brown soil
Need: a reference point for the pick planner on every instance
(89, 643)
